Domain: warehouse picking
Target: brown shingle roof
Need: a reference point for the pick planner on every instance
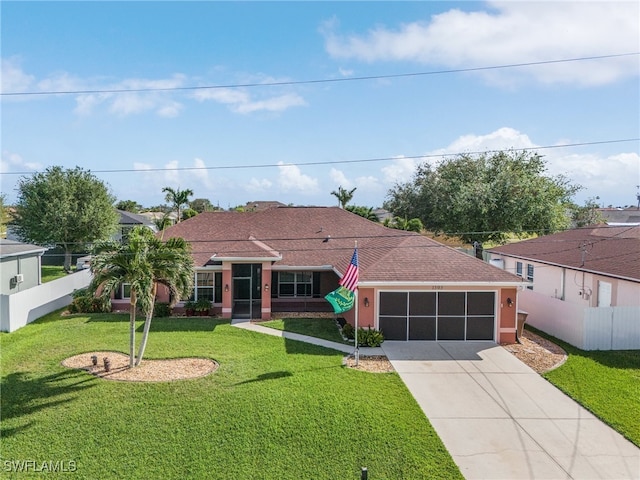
(325, 236)
(612, 251)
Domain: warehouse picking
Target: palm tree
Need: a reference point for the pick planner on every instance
(143, 262)
(344, 196)
(171, 266)
(178, 198)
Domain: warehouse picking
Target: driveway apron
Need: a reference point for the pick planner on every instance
(501, 420)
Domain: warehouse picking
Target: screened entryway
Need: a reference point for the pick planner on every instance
(437, 315)
(247, 292)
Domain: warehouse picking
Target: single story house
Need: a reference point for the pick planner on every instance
(130, 220)
(258, 264)
(20, 266)
(579, 276)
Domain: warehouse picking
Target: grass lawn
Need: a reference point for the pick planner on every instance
(52, 272)
(275, 409)
(605, 382)
(324, 328)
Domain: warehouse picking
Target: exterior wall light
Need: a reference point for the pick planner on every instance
(266, 287)
(226, 287)
(366, 301)
(509, 302)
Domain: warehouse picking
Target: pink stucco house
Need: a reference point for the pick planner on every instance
(258, 264)
(584, 284)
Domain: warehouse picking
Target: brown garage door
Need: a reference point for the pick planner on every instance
(437, 315)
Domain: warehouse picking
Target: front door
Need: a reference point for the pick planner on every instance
(247, 294)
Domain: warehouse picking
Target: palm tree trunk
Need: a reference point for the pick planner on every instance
(147, 326)
(132, 328)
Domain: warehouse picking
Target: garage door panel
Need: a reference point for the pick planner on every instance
(451, 328)
(480, 303)
(393, 328)
(451, 303)
(479, 328)
(422, 303)
(393, 303)
(422, 328)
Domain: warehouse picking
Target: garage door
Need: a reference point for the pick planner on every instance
(437, 315)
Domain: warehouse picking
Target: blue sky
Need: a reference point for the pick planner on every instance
(233, 145)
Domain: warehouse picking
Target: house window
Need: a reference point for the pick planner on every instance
(123, 292)
(204, 286)
(519, 269)
(124, 234)
(295, 284)
(530, 275)
(208, 285)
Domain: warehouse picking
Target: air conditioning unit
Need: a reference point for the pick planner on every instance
(20, 278)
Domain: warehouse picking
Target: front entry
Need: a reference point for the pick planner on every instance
(247, 293)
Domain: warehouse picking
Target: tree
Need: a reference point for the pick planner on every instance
(143, 263)
(68, 208)
(178, 198)
(202, 205)
(187, 213)
(129, 206)
(4, 217)
(366, 212)
(344, 196)
(401, 223)
(485, 197)
(586, 215)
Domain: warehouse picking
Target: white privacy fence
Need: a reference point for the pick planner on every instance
(24, 307)
(588, 328)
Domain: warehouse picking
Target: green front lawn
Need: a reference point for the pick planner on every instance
(275, 409)
(325, 328)
(52, 272)
(605, 382)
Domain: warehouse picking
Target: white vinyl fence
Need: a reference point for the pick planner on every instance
(588, 328)
(24, 307)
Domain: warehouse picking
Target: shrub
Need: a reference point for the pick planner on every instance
(85, 302)
(203, 305)
(161, 310)
(348, 331)
(369, 337)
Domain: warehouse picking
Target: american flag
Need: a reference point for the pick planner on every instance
(350, 277)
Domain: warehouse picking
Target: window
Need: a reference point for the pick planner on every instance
(295, 284)
(530, 275)
(126, 290)
(208, 285)
(519, 269)
(204, 286)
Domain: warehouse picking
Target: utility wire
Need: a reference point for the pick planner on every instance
(323, 80)
(343, 162)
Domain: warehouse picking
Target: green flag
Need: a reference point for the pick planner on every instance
(341, 299)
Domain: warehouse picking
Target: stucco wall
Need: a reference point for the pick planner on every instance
(24, 307)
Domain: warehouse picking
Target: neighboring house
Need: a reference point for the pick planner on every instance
(621, 216)
(20, 266)
(260, 205)
(255, 264)
(153, 217)
(130, 220)
(575, 277)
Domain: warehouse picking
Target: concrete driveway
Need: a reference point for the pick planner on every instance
(501, 420)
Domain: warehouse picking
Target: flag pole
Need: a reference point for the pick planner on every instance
(357, 353)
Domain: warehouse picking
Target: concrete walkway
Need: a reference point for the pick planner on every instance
(501, 420)
(341, 347)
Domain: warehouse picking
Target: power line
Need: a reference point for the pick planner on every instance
(343, 162)
(323, 80)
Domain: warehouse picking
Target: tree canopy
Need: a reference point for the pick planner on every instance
(343, 195)
(485, 197)
(129, 206)
(178, 198)
(366, 212)
(70, 208)
(143, 263)
(202, 205)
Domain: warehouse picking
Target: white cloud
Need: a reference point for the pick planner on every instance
(504, 138)
(292, 179)
(256, 185)
(12, 162)
(400, 171)
(240, 101)
(368, 183)
(509, 33)
(339, 178)
(13, 78)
